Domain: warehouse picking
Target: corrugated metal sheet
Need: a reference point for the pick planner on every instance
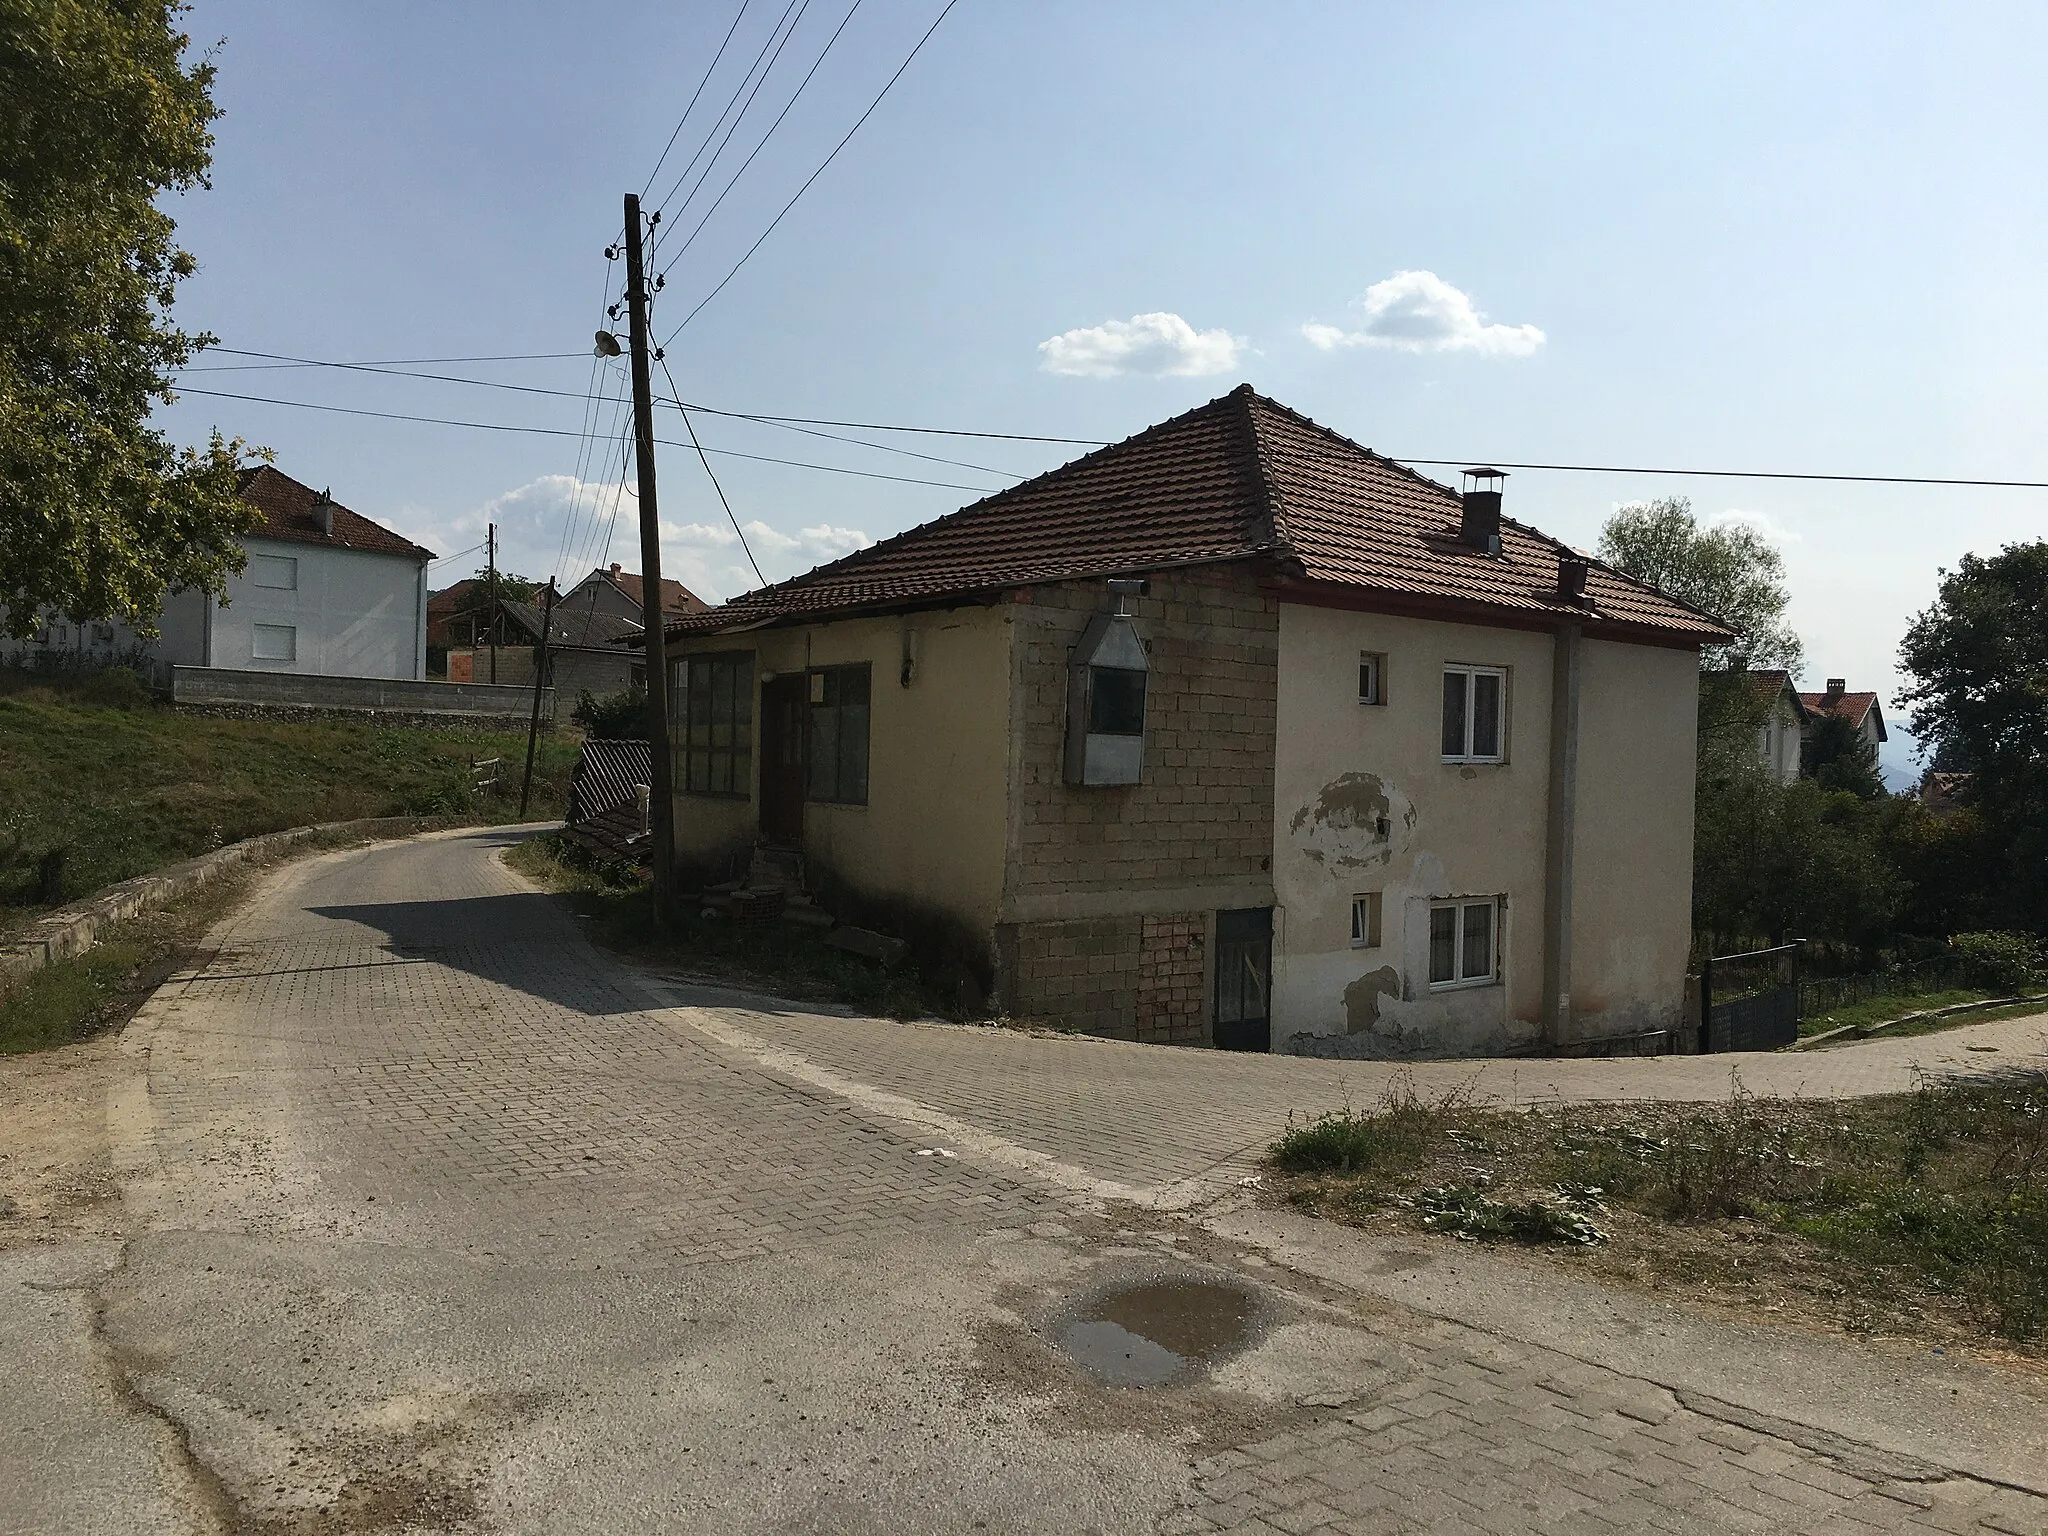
(608, 774)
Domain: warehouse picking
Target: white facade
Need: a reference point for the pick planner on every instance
(296, 607)
(1779, 739)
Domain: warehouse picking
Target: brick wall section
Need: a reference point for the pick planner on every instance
(1082, 974)
(1196, 833)
(1172, 952)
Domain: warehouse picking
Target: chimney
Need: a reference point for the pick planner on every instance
(1571, 579)
(323, 513)
(616, 568)
(1480, 525)
(1837, 686)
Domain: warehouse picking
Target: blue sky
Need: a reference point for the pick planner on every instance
(1749, 237)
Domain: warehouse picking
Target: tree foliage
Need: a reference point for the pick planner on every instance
(510, 589)
(100, 515)
(1835, 755)
(1978, 665)
(1730, 571)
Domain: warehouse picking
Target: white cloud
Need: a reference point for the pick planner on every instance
(531, 518)
(1420, 312)
(1161, 345)
(1759, 522)
(707, 558)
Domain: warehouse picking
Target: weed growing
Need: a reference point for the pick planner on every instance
(1916, 1211)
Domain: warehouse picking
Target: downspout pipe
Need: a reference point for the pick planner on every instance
(1560, 833)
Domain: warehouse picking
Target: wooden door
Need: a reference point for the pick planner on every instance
(784, 708)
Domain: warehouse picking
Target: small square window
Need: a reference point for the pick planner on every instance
(273, 642)
(1365, 921)
(277, 571)
(1372, 677)
(1463, 951)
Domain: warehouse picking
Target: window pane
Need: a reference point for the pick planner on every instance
(1443, 944)
(1486, 714)
(1358, 920)
(698, 775)
(1368, 680)
(1454, 714)
(853, 750)
(1116, 702)
(1478, 941)
(824, 774)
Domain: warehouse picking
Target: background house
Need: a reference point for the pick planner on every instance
(1233, 733)
(326, 591)
(1859, 709)
(586, 650)
(1784, 725)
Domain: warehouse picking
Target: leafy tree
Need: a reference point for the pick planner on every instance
(1730, 571)
(511, 589)
(99, 514)
(1978, 664)
(620, 716)
(1835, 755)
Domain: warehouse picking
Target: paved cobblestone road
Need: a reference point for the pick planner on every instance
(440, 1220)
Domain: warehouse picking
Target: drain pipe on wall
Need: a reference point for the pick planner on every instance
(1563, 821)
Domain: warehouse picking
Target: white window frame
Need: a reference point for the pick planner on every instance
(1460, 977)
(1366, 912)
(289, 631)
(1470, 673)
(1372, 677)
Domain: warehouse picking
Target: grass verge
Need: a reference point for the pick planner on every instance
(94, 792)
(1919, 1215)
(776, 957)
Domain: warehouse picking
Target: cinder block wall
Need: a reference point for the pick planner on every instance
(1086, 868)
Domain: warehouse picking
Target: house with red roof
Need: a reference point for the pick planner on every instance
(1783, 728)
(1232, 734)
(325, 591)
(1861, 710)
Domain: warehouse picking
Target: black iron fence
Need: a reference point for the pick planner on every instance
(1823, 994)
(1750, 1001)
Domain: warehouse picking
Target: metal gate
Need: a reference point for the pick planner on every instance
(1750, 1002)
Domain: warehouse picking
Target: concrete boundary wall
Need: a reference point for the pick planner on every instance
(74, 929)
(206, 687)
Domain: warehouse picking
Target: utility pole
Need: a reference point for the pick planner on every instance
(540, 675)
(491, 564)
(661, 809)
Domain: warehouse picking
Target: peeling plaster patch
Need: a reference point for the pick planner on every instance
(1362, 998)
(1352, 822)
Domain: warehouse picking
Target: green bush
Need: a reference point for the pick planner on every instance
(620, 716)
(1999, 962)
(1398, 1133)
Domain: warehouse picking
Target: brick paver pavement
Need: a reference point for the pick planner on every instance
(404, 1047)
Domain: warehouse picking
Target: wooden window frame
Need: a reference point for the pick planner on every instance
(699, 761)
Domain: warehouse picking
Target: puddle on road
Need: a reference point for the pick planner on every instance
(1158, 1331)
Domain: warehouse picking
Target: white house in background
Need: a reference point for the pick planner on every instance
(326, 591)
(1784, 728)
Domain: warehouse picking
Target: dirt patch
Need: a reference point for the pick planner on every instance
(56, 1178)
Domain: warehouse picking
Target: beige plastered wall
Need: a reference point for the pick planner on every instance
(1365, 803)
(1632, 891)
(932, 831)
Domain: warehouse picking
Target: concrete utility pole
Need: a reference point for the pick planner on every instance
(540, 675)
(491, 564)
(661, 823)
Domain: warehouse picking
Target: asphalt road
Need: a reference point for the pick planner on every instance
(433, 1218)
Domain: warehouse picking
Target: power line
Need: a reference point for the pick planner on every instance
(496, 426)
(285, 360)
(731, 101)
(710, 69)
(1739, 474)
(741, 116)
(687, 406)
(816, 64)
(1583, 469)
(730, 517)
(800, 191)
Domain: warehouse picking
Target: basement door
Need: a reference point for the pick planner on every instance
(1244, 972)
(785, 709)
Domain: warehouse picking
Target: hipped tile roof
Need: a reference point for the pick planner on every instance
(291, 511)
(1852, 707)
(675, 597)
(1241, 478)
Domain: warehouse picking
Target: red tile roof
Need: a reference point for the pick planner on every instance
(1241, 478)
(1852, 707)
(290, 512)
(675, 597)
(1772, 682)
